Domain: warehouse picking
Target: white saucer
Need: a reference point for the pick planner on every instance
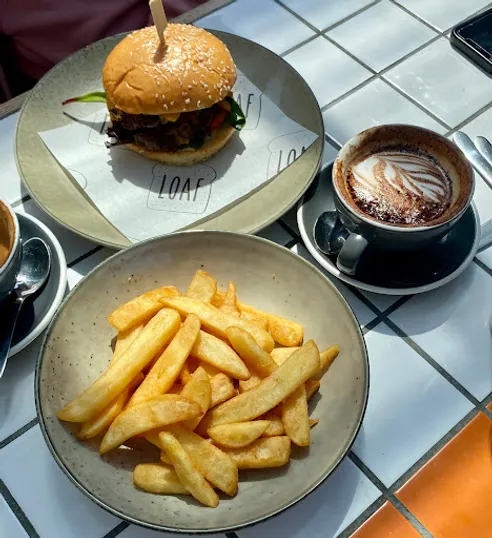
(37, 313)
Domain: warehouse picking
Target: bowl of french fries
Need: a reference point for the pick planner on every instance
(201, 382)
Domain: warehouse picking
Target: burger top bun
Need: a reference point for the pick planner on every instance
(194, 70)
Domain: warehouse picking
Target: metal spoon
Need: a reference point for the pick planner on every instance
(33, 272)
(329, 233)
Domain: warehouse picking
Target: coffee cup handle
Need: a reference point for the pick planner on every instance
(351, 252)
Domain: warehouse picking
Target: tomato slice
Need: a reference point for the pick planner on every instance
(219, 119)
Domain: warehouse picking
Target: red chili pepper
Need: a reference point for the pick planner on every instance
(219, 119)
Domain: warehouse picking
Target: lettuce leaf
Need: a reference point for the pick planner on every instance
(236, 116)
(94, 97)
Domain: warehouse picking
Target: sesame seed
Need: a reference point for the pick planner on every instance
(172, 103)
(187, 101)
(198, 103)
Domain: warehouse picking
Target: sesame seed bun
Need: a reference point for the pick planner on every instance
(188, 157)
(194, 70)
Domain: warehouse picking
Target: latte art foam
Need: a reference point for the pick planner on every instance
(398, 187)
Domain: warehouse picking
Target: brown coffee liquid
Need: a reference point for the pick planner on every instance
(6, 234)
(398, 187)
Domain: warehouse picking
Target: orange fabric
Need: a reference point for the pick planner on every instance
(489, 407)
(387, 522)
(452, 494)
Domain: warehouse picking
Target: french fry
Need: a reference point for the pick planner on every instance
(189, 476)
(155, 413)
(140, 309)
(216, 352)
(216, 321)
(238, 435)
(166, 370)
(275, 425)
(185, 374)
(263, 453)
(313, 422)
(284, 331)
(295, 417)
(213, 464)
(211, 370)
(158, 478)
(262, 322)
(100, 422)
(327, 357)
(160, 329)
(222, 389)
(124, 340)
(202, 286)
(199, 390)
(252, 354)
(229, 303)
(249, 383)
(249, 405)
(281, 354)
(312, 385)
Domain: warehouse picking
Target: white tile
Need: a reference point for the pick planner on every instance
(276, 233)
(17, 406)
(324, 13)
(374, 104)
(329, 155)
(138, 532)
(363, 313)
(368, 34)
(382, 302)
(54, 506)
(253, 19)
(73, 245)
(10, 183)
(452, 324)
(410, 407)
(443, 81)
(79, 270)
(328, 81)
(486, 257)
(480, 126)
(483, 199)
(443, 14)
(10, 526)
(324, 513)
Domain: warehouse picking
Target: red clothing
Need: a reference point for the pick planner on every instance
(43, 32)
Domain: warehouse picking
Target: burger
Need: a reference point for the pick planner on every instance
(171, 102)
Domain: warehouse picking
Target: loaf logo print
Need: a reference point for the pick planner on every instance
(181, 190)
(248, 98)
(100, 124)
(285, 149)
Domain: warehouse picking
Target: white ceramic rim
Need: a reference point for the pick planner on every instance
(58, 256)
(355, 142)
(15, 248)
(332, 269)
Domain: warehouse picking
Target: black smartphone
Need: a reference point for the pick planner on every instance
(473, 38)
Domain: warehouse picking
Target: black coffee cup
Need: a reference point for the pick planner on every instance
(398, 187)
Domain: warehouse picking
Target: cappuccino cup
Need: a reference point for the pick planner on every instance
(398, 188)
(10, 249)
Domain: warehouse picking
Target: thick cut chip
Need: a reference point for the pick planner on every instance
(313, 422)
(211, 370)
(202, 286)
(167, 368)
(216, 321)
(200, 391)
(238, 435)
(284, 331)
(275, 424)
(263, 453)
(312, 385)
(252, 354)
(155, 413)
(249, 405)
(295, 417)
(216, 352)
(187, 473)
(160, 329)
(327, 357)
(158, 478)
(124, 340)
(229, 303)
(140, 309)
(213, 464)
(222, 389)
(257, 320)
(249, 383)
(100, 422)
(185, 374)
(281, 354)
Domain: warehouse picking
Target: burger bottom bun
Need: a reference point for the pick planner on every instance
(188, 157)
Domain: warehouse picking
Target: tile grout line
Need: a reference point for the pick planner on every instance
(115, 531)
(287, 229)
(468, 120)
(482, 266)
(349, 17)
(231, 535)
(83, 257)
(415, 16)
(349, 530)
(17, 511)
(18, 433)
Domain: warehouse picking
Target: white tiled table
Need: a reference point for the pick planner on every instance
(368, 62)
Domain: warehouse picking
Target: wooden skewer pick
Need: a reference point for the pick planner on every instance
(160, 19)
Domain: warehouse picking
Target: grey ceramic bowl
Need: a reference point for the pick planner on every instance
(76, 350)
(81, 73)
